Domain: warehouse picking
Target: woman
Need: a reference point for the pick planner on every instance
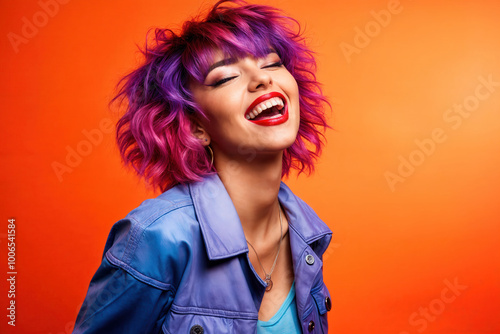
(215, 117)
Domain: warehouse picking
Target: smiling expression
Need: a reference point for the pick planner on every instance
(252, 104)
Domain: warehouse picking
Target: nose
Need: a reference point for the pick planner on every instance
(260, 79)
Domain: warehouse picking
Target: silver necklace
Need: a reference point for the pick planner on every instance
(268, 276)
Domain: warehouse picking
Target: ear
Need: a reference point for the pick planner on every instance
(200, 133)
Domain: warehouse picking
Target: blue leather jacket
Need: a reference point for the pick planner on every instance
(179, 264)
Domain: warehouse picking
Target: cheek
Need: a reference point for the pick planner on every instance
(222, 116)
(288, 79)
(293, 91)
(294, 85)
(291, 87)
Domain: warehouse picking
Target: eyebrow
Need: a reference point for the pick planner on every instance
(223, 62)
(232, 60)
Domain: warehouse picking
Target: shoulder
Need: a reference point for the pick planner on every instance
(153, 242)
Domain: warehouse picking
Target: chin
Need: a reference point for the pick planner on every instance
(280, 145)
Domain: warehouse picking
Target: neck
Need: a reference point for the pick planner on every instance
(253, 187)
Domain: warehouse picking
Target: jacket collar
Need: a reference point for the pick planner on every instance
(221, 227)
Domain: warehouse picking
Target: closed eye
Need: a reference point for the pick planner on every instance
(222, 81)
(276, 64)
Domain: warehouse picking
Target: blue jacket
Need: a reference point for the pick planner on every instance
(179, 264)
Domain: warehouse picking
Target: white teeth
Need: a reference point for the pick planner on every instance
(272, 102)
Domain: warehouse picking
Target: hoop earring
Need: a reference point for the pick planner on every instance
(211, 155)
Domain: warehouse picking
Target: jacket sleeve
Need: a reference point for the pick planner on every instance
(134, 287)
(117, 302)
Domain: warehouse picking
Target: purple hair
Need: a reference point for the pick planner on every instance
(155, 135)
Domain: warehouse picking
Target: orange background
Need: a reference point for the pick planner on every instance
(394, 248)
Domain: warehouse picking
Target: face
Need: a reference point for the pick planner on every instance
(252, 105)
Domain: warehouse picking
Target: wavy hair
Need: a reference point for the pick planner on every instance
(155, 134)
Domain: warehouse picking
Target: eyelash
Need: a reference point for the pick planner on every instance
(276, 64)
(222, 81)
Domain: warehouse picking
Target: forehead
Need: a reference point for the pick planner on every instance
(201, 53)
(211, 58)
(219, 58)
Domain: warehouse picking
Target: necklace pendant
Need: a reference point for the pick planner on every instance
(269, 283)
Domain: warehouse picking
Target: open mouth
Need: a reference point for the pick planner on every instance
(268, 109)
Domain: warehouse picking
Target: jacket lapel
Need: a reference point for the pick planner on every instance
(223, 234)
(219, 221)
(309, 238)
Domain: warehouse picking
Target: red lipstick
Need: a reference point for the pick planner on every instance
(269, 121)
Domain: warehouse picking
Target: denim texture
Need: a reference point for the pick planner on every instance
(179, 264)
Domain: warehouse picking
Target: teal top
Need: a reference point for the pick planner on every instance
(285, 320)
